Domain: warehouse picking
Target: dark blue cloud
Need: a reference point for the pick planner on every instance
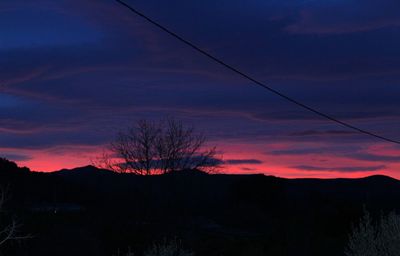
(323, 133)
(242, 161)
(336, 17)
(15, 157)
(375, 158)
(350, 152)
(40, 27)
(322, 150)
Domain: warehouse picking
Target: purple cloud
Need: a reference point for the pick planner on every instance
(340, 169)
(337, 17)
(242, 161)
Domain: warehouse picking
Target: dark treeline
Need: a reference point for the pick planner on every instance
(88, 211)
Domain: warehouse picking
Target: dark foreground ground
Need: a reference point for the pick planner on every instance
(87, 211)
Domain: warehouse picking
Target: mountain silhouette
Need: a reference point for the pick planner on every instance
(91, 211)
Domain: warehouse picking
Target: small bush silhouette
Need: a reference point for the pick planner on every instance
(164, 248)
(168, 248)
(380, 239)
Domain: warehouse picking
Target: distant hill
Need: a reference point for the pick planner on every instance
(88, 170)
(90, 211)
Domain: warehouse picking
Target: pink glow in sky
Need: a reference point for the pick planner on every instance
(250, 159)
(73, 73)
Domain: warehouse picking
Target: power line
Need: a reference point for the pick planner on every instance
(255, 81)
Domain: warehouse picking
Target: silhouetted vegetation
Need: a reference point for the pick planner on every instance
(9, 228)
(168, 248)
(158, 147)
(7, 231)
(375, 239)
(164, 248)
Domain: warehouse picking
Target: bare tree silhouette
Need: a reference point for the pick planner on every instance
(159, 147)
(179, 148)
(7, 231)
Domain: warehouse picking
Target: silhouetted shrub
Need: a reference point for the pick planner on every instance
(379, 239)
(164, 248)
(168, 248)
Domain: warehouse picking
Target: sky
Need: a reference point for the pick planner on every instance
(74, 73)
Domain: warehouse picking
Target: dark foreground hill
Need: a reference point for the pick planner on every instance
(87, 211)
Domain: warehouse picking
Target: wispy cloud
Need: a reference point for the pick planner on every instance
(375, 158)
(15, 157)
(340, 169)
(323, 133)
(341, 17)
(242, 161)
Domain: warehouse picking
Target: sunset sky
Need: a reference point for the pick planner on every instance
(73, 73)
